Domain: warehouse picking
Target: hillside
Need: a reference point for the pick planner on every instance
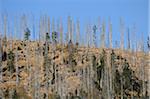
(39, 70)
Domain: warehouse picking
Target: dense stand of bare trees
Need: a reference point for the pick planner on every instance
(105, 75)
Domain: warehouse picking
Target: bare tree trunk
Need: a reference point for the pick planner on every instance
(103, 36)
(149, 73)
(143, 71)
(121, 71)
(70, 28)
(105, 89)
(36, 79)
(33, 28)
(48, 25)
(128, 38)
(17, 70)
(73, 31)
(78, 32)
(57, 29)
(1, 72)
(5, 25)
(90, 35)
(113, 68)
(88, 80)
(99, 30)
(47, 70)
(133, 37)
(53, 25)
(40, 29)
(121, 88)
(110, 34)
(61, 31)
(36, 86)
(87, 35)
(121, 34)
(110, 76)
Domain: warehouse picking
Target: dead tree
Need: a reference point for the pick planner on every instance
(143, 69)
(87, 35)
(110, 34)
(48, 25)
(90, 35)
(17, 69)
(5, 25)
(133, 41)
(73, 32)
(40, 29)
(1, 72)
(33, 28)
(47, 68)
(61, 31)
(69, 32)
(104, 75)
(71, 22)
(57, 29)
(91, 74)
(99, 29)
(78, 32)
(26, 35)
(121, 34)
(128, 38)
(103, 36)
(4, 42)
(108, 76)
(16, 53)
(44, 27)
(1, 50)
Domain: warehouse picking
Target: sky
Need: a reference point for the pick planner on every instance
(149, 18)
(134, 12)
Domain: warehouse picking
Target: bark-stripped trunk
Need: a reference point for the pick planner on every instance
(36, 89)
(121, 78)
(48, 25)
(17, 69)
(87, 35)
(148, 73)
(121, 34)
(69, 28)
(78, 32)
(143, 74)
(128, 38)
(110, 34)
(47, 68)
(103, 36)
(109, 75)
(40, 29)
(99, 30)
(1, 72)
(61, 31)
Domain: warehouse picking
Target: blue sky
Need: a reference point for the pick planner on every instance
(132, 11)
(149, 19)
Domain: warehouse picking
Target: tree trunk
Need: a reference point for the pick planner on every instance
(78, 32)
